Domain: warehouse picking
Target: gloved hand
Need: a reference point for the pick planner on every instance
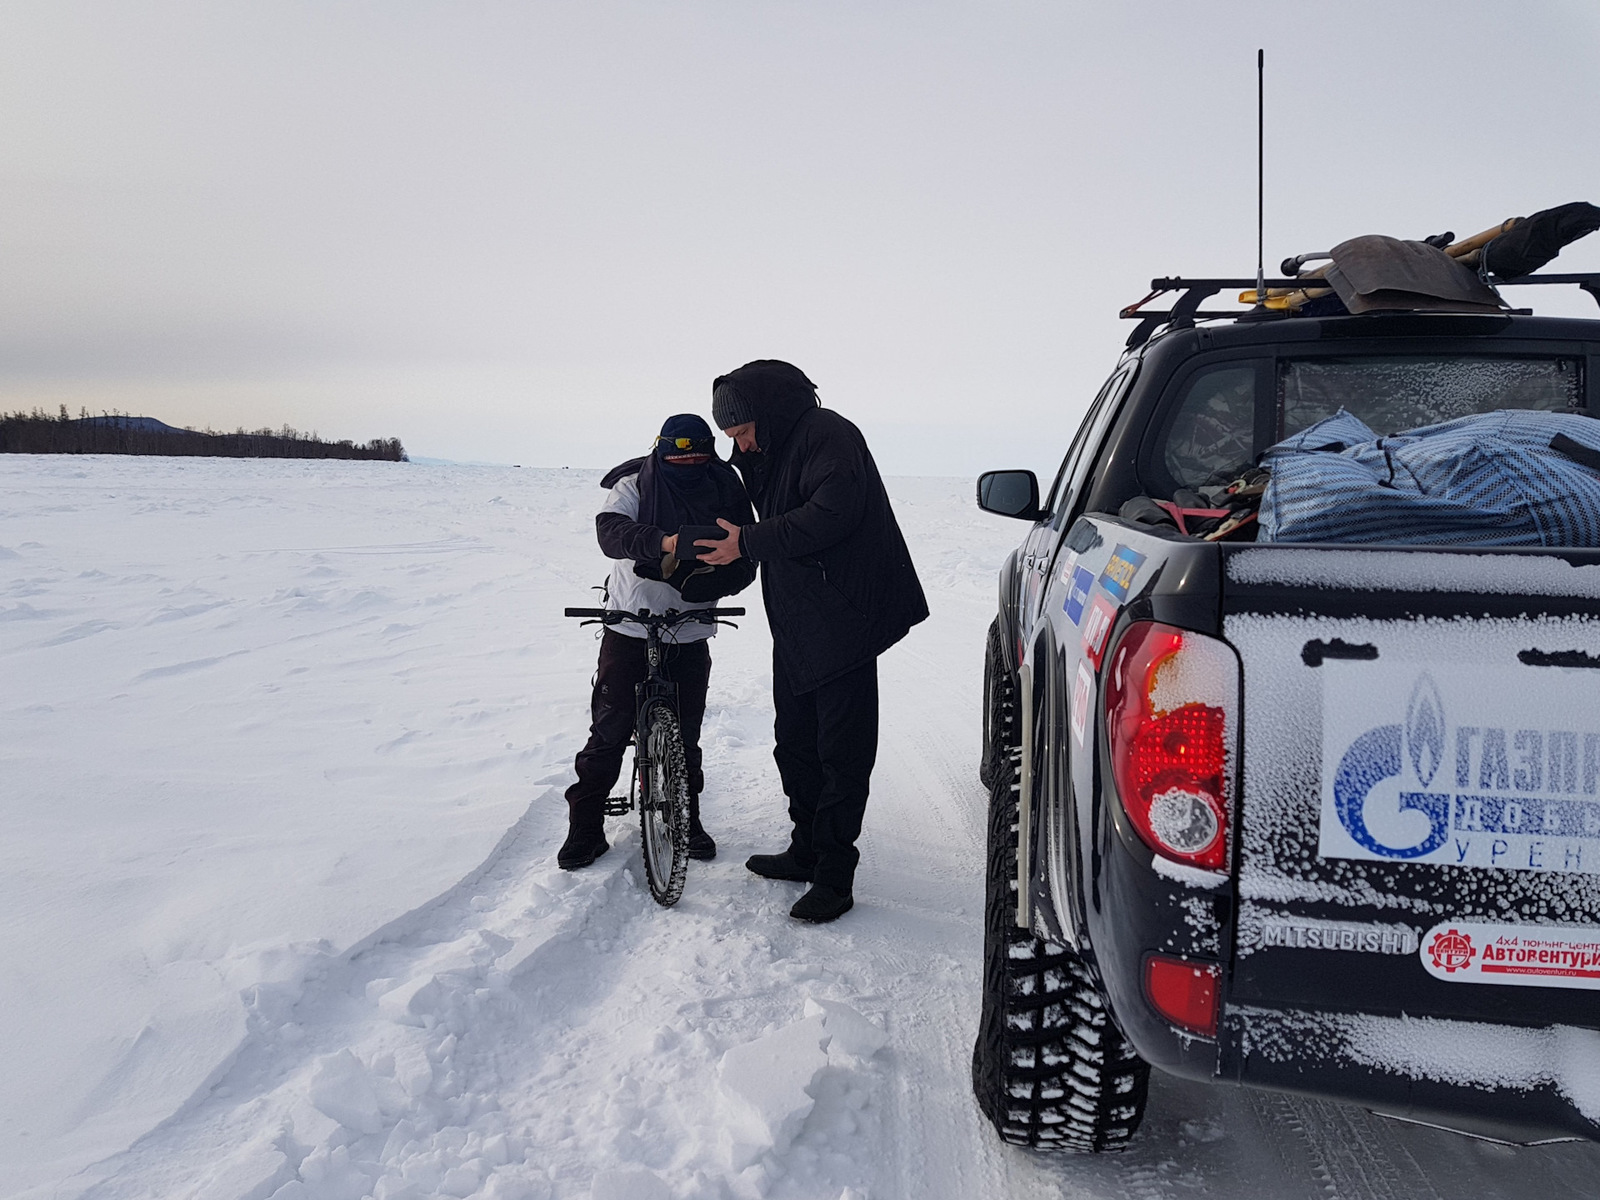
(701, 585)
(663, 568)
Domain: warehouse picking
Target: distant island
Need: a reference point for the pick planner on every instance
(116, 433)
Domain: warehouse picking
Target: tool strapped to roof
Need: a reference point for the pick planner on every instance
(1374, 273)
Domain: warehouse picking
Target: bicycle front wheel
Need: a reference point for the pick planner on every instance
(664, 808)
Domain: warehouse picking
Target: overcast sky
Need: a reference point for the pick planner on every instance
(526, 232)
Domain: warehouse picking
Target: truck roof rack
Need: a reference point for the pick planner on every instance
(1186, 310)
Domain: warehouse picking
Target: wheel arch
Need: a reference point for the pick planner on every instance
(1051, 795)
(1007, 614)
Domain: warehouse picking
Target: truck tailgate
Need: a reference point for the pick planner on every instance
(1419, 836)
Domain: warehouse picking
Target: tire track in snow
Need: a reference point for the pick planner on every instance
(932, 866)
(1352, 1154)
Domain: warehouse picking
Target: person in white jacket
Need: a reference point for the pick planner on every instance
(680, 482)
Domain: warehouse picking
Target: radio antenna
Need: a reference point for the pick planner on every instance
(1261, 172)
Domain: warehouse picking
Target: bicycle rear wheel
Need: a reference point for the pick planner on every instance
(664, 808)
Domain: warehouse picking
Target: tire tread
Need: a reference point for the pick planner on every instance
(674, 776)
(1050, 1068)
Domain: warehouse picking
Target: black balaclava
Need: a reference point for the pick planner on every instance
(677, 485)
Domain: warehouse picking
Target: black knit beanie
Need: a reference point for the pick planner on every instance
(750, 392)
(728, 407)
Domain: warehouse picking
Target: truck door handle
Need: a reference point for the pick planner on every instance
(1314, 651)
(1557, 658)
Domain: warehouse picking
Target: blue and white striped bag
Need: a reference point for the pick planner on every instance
(1485, 480)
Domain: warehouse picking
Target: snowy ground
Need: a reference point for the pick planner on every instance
(283, 746)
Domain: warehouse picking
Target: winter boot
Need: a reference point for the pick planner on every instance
(586, 834)
(822, 903)
(701, 844)
(781, 866)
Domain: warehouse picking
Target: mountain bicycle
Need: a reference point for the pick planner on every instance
(659, 787)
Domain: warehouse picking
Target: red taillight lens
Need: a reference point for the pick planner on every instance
(1170, 698)
(1185, 993)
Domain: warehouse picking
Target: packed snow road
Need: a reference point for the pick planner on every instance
(280, 917)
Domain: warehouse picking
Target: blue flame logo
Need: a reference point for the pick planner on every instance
(1378, 756)
(1425, 729)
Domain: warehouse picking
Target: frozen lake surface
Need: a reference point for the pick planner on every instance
(283, 746)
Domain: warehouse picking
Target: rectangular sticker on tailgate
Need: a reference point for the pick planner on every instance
(1470, 767)
(1531, 955)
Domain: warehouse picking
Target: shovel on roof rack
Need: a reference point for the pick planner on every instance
(1293, 298)
(1512, 249)
(1375, 274)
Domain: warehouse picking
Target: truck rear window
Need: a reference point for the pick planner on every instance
(1395, 393)
(1211, 439)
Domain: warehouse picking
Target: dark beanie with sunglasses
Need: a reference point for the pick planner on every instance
(680, 483)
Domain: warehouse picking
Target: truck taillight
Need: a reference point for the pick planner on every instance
(1171, 702)
(1184, 992)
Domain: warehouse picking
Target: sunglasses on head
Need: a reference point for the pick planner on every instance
(693, 445)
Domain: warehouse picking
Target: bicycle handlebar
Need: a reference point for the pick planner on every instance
(612, 616)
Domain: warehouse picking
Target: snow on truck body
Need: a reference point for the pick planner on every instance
(1314, 818)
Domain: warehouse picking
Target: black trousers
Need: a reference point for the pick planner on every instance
(826, 744)
(623, 666)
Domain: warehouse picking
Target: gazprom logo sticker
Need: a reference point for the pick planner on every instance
(1475, 768)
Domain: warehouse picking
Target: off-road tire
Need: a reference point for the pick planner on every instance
(1050, 1068)
(999, 707)
(664, 808)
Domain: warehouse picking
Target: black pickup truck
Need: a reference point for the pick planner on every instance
(1317, 818)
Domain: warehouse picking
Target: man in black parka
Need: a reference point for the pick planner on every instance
(839, 588)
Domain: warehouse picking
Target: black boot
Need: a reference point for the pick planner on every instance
(701, 844)
(781, 866)
(586, 834)
(822, 903)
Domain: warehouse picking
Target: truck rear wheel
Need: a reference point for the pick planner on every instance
(1050, 1068)
(999, 707)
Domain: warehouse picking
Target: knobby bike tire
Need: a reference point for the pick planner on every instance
(664, 808)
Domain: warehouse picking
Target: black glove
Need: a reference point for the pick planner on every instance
(651, 569)
(701, 585)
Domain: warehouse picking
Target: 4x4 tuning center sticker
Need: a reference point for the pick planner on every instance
(1526, 955)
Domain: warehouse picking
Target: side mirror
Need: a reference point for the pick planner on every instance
(1009, 494)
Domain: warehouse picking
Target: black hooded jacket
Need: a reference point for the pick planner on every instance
(836, 576)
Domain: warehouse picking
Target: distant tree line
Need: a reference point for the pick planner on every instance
(117, 433)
